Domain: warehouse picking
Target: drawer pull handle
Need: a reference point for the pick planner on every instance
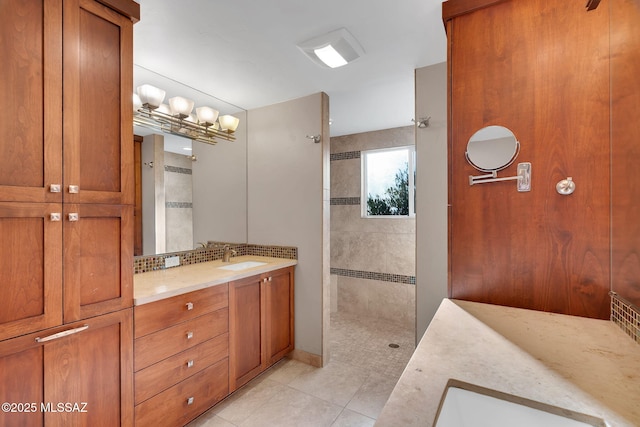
(190, 401)
(62, 334)
(55, 216)
(73, 216)
(189, 306)
(55, 188)
(74, 189)
(190, 364)
(189, 335)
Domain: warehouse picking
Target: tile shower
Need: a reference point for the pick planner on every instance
(372, 259)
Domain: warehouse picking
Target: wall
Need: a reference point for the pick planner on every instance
(287, 181)
(540, 68)
(178, 202)
(153, 201)
(625, 156)
(220, 188)
(372, 259)
(431, 203)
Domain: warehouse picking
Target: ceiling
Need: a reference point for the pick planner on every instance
(244, 52)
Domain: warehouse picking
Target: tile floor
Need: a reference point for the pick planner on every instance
(350, 391)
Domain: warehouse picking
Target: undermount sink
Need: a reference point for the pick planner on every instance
(242, 265)
(466, 405)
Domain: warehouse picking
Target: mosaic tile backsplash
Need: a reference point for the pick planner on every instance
(626, 316)
(212, 252)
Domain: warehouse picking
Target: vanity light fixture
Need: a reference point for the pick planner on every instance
(177, 117)
(333, 49)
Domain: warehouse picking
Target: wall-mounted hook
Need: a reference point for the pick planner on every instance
(149, 164)
(316, 138)
(422, 122)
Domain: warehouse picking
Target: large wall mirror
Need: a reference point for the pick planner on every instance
(191, 191)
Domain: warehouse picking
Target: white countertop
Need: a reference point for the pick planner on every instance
(585, 365)
(156, 285)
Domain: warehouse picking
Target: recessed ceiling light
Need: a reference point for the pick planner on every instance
(333, 49)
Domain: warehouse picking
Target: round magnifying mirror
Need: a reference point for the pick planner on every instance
(492, 148)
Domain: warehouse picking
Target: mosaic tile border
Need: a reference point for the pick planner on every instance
(345, 156)
(177, 169)
(344, 201)
(213, 251)
(383, 277)
(178, 205)
(626, 316)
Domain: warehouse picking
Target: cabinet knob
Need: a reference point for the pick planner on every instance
(73, 216)
(74, 189)
(189, 306)
(55, 216)
(269, 278)
(190, 364)
(189, 335)
(190, 400)
(55, 188)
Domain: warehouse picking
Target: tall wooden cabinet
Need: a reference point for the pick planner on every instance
(66, 216)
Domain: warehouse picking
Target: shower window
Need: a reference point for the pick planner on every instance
(388, 177)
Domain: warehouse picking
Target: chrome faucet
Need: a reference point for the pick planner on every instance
(228, 253)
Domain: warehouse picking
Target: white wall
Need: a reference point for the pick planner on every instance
(287, 194)
(220, 188)
(153, 197)
(432, 199)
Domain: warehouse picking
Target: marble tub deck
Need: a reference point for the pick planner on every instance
(585, 365)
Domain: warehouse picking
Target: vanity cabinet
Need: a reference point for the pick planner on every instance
(87, 364)
(181, 356)
(260, 323)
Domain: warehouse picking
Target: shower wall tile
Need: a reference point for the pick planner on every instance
(394, 302)
(373, 258)
(345, 178)
(353, 296)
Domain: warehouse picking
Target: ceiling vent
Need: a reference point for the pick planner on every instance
(333, 49)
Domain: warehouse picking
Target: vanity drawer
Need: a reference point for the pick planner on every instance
(162, 375)
(154, 347)
(186, 400)
(161, 314)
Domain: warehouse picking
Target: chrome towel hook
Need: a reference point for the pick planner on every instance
(316, 138)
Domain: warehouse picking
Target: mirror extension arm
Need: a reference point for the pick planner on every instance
(523, 177)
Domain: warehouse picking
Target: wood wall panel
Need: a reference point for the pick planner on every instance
(625, 143)
(540, 68)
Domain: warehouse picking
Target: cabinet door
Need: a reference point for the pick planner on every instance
(98, 267)
(30, 268)
(246, 312)
(98, 112)
(279, 314)
(31, 101)
(22, 382)
(91, 369)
